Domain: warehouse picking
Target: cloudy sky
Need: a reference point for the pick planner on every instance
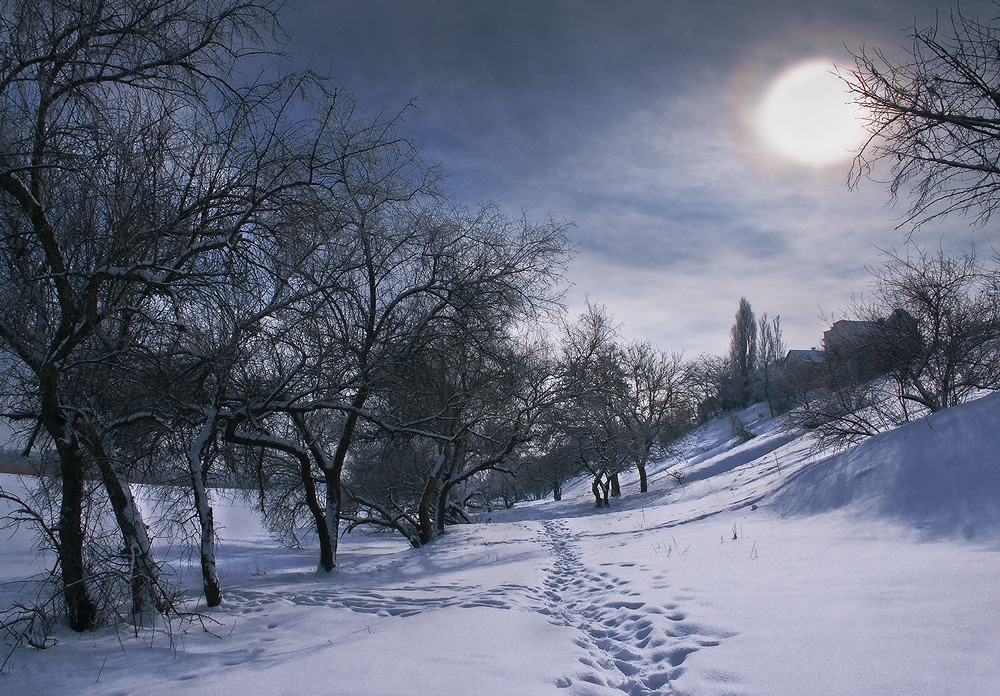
(637, 121)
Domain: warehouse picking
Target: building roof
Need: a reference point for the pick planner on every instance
(811, 355)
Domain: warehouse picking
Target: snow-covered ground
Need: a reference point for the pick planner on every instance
(772, 569)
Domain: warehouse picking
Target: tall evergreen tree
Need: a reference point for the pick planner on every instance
(743, 353)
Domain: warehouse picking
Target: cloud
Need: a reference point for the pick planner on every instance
(631, 121)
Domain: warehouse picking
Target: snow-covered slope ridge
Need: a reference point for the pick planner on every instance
(940, 474)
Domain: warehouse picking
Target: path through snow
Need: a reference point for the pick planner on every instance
(632, 647)
(626, 642)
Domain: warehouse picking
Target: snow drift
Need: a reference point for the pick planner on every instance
(940, 474)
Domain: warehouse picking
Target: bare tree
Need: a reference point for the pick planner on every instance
(771, 351)
(934, 118)
(924, 338)
(122, 163)
(707, 378)
(655, 402)
(849, 411)
(493, 405)
(935, 326)
(462, 394)
(592, 430)
(546, 469)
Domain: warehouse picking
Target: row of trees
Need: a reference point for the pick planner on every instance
(577, 400)
(623, 404)
(207, 277)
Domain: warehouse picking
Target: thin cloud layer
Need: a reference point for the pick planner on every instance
(633, 122)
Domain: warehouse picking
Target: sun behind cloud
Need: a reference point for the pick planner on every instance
(806, 115)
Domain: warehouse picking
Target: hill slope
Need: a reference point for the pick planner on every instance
(772, 570)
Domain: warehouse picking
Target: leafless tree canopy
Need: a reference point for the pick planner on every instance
(621, 404)
(934, 119)
(209, 273)
(924, 337)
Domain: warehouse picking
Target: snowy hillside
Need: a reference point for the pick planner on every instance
(770, 569)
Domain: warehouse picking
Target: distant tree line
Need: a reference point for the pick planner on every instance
(621, 405)
(923, 337)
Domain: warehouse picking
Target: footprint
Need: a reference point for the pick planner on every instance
(593, 678)
(626, 668)
(657, 680)
(678, 655)
(627, 655)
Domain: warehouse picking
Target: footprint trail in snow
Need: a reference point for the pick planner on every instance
(632, 647)
(631, 644)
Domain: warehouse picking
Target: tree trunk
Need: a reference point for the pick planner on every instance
(209, 573)
(327, 539)
(327, 560)
(335, 471)
(146, 596)
(442, 505)
(334, 502)
(643, 479)
(616, 486)
(424, 515)
(206, 518)
(81, 612)
(557, 492)
(80, 608)
(427, 499)
(602, 489)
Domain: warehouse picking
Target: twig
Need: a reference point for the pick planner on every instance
(101, 670)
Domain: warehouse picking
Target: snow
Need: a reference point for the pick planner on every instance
(772, 569)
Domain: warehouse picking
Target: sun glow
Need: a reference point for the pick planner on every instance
(807, 115)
